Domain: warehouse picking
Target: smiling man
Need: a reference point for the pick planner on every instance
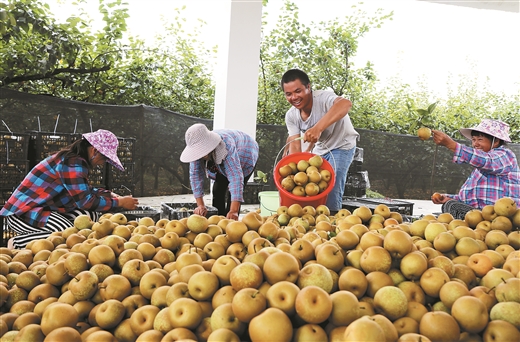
(322, 117)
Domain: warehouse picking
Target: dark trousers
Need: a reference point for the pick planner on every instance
(221, 195)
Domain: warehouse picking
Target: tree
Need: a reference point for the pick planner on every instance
(69, 60)
(321, 49)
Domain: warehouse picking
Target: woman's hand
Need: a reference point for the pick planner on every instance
(232, 215)
(439, 198)
(201, 210)
(128, 202)
(441, 138)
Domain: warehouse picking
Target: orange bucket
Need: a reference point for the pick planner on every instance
(286, 197)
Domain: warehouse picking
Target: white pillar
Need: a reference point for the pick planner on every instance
(236, 90)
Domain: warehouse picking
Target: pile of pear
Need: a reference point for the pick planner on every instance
(305, 178)
(301, 274)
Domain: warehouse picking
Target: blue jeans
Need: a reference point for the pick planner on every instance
(341, 163)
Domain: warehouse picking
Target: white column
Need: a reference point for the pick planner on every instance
(236, 76)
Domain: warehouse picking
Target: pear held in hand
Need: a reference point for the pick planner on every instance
(424, 133)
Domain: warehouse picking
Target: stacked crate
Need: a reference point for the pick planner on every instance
(44, 144)
(123, 182)
(14, 165)
(357, 180)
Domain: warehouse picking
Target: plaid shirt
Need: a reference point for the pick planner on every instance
(56, 185)
(238, 163)
(496, 175)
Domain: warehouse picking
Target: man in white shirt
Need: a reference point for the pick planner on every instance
(323, 118)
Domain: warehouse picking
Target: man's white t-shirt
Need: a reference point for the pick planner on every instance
(339, 135)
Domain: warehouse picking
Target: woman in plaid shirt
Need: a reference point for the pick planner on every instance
(495, 175)
(226, 156)
(57, 190)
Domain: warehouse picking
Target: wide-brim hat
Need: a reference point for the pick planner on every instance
(106, 143)
(200, 141)
(495, 128)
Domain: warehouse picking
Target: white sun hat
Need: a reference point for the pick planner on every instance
(200, 141)
(106, 143)
(495, 128)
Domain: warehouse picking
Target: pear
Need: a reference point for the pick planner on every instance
(285, 170)
(283, 219)
(294, 167)
(197, 223)
(507, 311)
(103, 227)
(295, 210)
(424, 133)
(312, 189)
(316, 161)
(288, 184)
(505, 206)
(83, 222)
(298, 191)
(301, 178)
(326, 175)
(314, 177)
(323, 185)
(302, 165)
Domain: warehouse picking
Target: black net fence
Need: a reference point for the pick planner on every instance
(152, 139)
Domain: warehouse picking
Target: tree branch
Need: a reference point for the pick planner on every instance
(8, 80)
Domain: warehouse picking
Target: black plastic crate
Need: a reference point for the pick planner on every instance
(43, 144)
(123, 190)
(14, 146)
(5, 233)
(351, 203)
(126, 150)
(357, 184)
(177, 211)
(358, 155)
(12, 173)
(355, 166)
(117, 178)
(97, 177)
(140, 212)
(251, 192)
(403, 207)
(4, 195)
(355, 192)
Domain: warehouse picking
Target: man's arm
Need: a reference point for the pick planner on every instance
(339, 110)
(294, 145)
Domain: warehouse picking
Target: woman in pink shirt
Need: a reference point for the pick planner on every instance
(495, 175)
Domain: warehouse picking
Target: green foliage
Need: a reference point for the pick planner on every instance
(69, 60)
(321, 49)
(260, 177)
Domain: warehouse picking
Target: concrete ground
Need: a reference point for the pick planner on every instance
(420, 207)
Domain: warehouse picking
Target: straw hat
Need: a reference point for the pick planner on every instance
(200, 141)
(106, 143)
(495, 128)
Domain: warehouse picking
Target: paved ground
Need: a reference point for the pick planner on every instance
(420, 207)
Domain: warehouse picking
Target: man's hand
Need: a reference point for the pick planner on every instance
(312, 135)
